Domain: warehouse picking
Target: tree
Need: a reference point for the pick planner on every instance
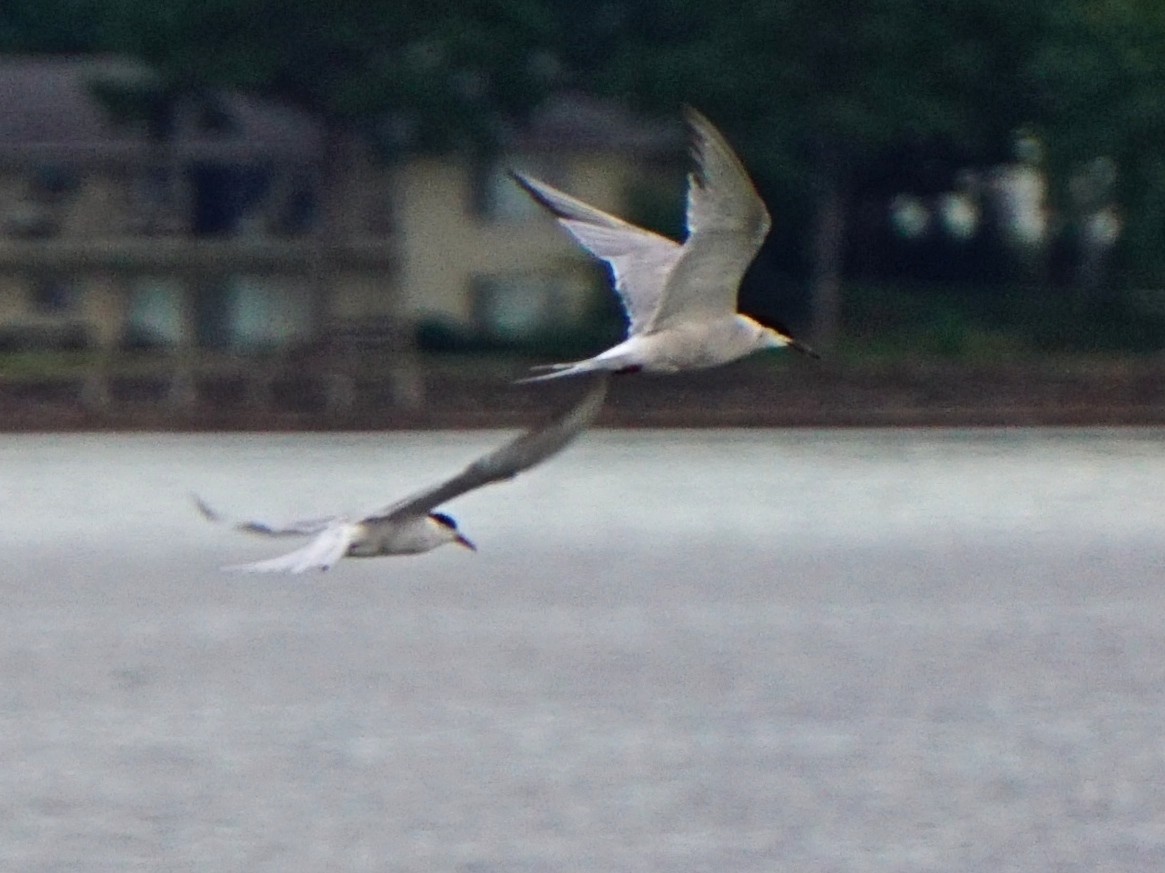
(1102, 73)
(397, 75)
(52, 26)
(814, 91)
(383, 75)
(445, 71)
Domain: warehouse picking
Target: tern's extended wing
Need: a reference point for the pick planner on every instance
(302, 528)
(727, 222)
(640, 260)
(519, 454)
(327, 547)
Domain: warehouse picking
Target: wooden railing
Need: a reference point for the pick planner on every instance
(183, 255)
(336, 356)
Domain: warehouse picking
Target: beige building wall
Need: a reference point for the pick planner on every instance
(96, 208)
(426, 210)
(364, 295)
(13, 299)
(100, 207)
(445, 243)
(85, 212)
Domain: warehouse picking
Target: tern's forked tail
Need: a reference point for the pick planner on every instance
(598, 364)
(557, 371)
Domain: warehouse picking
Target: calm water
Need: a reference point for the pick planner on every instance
(704, 651)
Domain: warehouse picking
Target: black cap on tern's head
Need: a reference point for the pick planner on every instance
(446, 521)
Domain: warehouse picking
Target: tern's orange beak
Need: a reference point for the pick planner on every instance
(462, 540)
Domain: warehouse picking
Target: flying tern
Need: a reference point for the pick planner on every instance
(680, 300)
(410, 526)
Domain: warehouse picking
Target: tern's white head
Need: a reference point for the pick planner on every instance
(448, 531)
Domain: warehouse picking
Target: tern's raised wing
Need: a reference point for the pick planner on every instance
(508, 461)
(727, 222)
(640, 260)
(327, 547)
(303, 528)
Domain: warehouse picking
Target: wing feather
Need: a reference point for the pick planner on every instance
(640, 260)
(727, 223)
(321, 553)
(721, 196)
(506, 462)
(301, 528)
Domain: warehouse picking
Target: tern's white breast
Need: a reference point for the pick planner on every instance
(409, 536)
(698, 344)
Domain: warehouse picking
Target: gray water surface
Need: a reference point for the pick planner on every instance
(674, 651)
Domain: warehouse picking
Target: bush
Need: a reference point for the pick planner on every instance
(989, 322)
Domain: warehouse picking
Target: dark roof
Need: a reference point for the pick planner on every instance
(49, 107)
(50, 110)
(580, 122)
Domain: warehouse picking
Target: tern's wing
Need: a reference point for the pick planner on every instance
(327, 547)
(519, 454)
(727, 222)
(302, 528)
(640, 260)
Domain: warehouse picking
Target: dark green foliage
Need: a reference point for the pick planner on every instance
(447, 71)
(45, 26)
(993, 324)
(815, 94)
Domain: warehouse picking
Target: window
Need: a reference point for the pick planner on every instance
(53, 296)
(517, 307)
(52, 184)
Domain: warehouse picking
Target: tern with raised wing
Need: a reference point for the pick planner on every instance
(411, 526)
(680, 300)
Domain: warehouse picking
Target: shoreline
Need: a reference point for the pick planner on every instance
(1076, 394)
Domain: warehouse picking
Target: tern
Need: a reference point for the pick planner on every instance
(410, 526)
(680, 300)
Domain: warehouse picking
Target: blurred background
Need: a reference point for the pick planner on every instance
(750, 649)
(242, 213)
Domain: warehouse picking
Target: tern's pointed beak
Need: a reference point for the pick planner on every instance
(799, 346)
(463, 540)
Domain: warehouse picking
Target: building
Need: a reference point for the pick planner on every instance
(515, 272)
(192, 229)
